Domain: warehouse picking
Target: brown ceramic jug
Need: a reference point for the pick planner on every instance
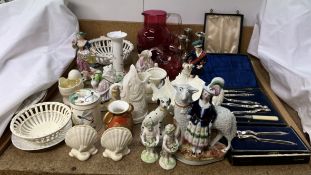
(119, 115)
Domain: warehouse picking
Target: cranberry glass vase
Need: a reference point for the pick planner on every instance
(163, 44)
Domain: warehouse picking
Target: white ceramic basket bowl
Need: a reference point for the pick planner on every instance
(42, 122)
(103, 48)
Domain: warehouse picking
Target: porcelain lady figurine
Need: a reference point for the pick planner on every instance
(150, 138)
(83, 52)
(169, 147)
(199, 147)
(202, 115)
(144, 61)
(132, 90)
(197, 57)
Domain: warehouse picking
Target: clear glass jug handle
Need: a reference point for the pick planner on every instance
(179, 21)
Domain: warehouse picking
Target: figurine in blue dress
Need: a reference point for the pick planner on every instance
(197, 58)
(202, 115)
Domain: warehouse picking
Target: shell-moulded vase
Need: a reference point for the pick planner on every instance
(115, 140)
(81, 139)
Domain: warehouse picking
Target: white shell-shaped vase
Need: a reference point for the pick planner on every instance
(115, 140)
(81, 139)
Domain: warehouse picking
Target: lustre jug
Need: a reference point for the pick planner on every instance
(119, 115)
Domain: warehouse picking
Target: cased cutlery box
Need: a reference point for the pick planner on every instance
(244, 97)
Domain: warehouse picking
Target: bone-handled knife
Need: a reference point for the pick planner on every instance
(259, 117)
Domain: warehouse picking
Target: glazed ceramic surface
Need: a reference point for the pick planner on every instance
(119, 115)
(42, 122)
(201, 145)
(74, 74)
(27, 145)
(150, 138)
(144, 61)
(169, 147)
(115, 140)
(103, 49)
(81, 139)
(68, 86)
(157, 75)
(85, 108)
(117, 49)
(132, 90)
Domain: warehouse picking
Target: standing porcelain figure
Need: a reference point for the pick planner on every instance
(117, 50)
(169, 147)
(144, 61)
(197, 58)
(132, 90)
(150, 138)
(83, 54)
(202, 115)
(201, 146)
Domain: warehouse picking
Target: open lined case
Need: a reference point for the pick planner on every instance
(240, 79)
(222, 32)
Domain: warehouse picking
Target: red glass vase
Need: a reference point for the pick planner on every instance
(156, 36)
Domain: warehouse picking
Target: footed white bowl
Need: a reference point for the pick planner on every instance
(42, 122)
(103, 49)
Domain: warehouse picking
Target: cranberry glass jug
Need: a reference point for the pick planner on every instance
(163, 44)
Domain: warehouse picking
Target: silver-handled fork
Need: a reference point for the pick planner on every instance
(248, 134)
(285, 142)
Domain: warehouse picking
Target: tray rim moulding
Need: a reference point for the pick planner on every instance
(28, 122)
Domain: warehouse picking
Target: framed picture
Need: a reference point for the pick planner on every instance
(223, 32)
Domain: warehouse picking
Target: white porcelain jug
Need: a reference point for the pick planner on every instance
(132, 90)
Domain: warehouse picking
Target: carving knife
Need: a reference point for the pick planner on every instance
(259, 117)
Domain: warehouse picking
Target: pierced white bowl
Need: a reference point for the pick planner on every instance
(42, 122)
(103, 48)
